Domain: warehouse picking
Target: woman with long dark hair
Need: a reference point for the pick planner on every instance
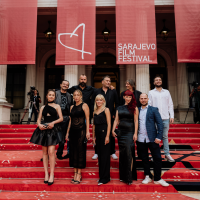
(127, 118)
(49, 133)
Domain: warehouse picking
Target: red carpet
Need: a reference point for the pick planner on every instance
(21, 170)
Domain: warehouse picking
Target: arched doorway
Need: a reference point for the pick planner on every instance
(105, 65)
(159, 69)
(54, 74)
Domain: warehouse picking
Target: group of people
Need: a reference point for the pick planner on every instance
(140, 118)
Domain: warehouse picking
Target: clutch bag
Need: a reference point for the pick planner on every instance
(118, 132)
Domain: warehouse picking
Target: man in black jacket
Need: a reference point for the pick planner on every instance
(64, 99)
(130, 85)
(112, 102)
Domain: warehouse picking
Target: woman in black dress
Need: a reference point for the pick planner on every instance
(78, 134)
(48, 133)
(127, 117)
(101, 129)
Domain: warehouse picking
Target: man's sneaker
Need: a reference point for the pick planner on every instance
(162, 182)
(169, 158)
(147, 180)
(114, 156)
(95, 156)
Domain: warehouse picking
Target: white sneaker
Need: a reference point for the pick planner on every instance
(114, 156)
(95, 156)
(169, 158)
(147, 180)
(162, 182)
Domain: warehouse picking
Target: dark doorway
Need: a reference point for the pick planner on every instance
(159, 69)
(54, 74)
(106, 65)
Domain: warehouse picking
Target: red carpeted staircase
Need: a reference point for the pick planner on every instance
(21, 171)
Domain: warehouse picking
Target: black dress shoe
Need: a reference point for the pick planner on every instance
(45, 182)
(66, 156)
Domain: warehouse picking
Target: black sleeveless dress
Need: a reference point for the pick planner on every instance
(127, 162)
(77, 135)
(48, 137)
(103, 150)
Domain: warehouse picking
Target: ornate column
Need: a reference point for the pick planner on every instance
(130, 72)
(3, 75)
(30, 80)
(71, 74)
(88, 72)
(81, 70)
(5, 107)
(182, 85)
(122, 70)
(142, 78)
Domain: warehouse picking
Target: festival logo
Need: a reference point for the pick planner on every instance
(74, 34)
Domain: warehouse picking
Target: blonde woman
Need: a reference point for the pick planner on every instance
(78, 134)
(101, 130)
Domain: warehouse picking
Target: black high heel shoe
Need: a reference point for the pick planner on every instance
(46, 182)
(76, 181)
(51, 183)
(73, 180)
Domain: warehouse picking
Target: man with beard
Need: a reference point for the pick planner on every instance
(87, 91)
(161, 98)
(150, 134)
(130, 85)
(112, 102)
(64, 99)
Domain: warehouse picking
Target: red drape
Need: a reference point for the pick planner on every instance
(135, 32)
(75, 43)
(187, 18)
(18, 21)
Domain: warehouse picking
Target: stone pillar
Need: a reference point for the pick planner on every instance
(71, 74)
(142, 78)
(3, 76)
(122, 70)
(182, 86)
(81, 70)
(30, 80)
(130, 72)
(88, 72)
(5, 107)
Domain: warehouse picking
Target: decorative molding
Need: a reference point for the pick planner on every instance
(99, 3)
(46, 57)
(106, 50)
(166, 56)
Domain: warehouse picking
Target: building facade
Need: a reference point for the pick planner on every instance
(17, 79)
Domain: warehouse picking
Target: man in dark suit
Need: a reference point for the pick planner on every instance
(64, 99)
(112, 102)
(130, 85)
(150, 134)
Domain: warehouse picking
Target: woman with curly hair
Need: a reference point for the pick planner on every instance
(127, 118)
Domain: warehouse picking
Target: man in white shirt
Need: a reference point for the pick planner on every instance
(161, 98)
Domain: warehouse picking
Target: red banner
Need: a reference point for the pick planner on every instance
(18, 21)
(75, 44)
(135, 32)
(187, 18)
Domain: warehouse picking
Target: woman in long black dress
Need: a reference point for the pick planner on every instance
(48, 133)
(78, 134)
(127, 117)
(101, 129)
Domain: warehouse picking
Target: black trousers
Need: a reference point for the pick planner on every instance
(103, 152)
(142, 148)
(35, 113)
(112, 141)
(64, 126)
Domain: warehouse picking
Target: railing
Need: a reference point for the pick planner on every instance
(15, 116)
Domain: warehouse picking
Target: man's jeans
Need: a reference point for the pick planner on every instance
(165, 136)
